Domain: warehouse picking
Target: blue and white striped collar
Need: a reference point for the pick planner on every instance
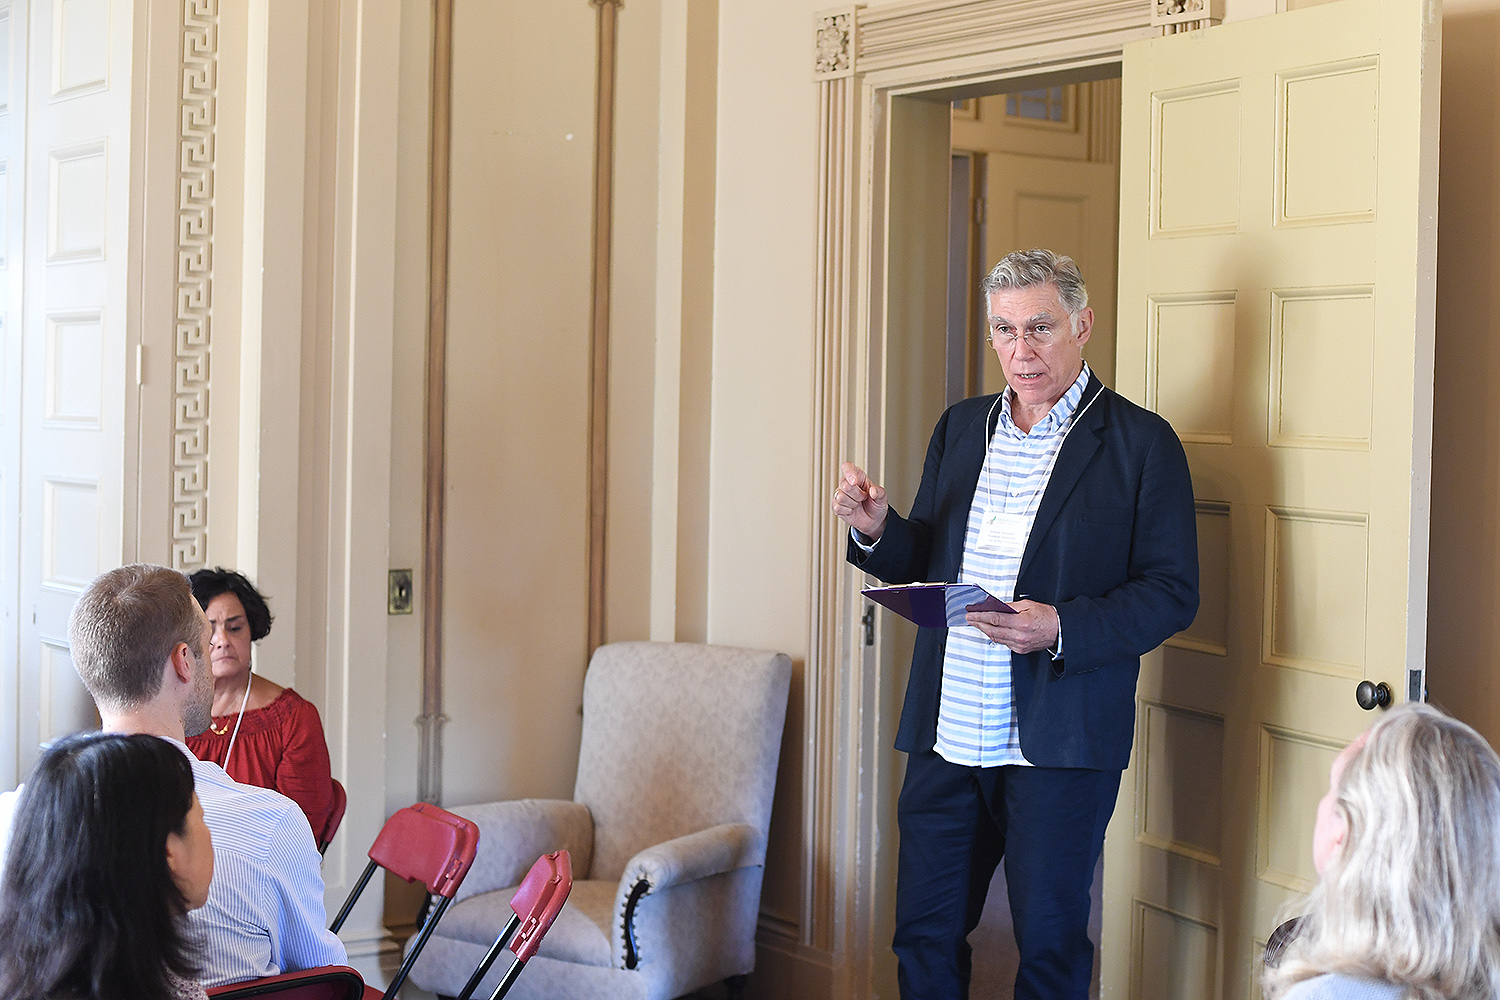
(1057, 418)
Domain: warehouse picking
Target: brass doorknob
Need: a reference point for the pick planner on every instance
(1371, 695)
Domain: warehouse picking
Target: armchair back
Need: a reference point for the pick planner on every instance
(677, 737)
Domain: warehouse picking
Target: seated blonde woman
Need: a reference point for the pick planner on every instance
(1407, 850)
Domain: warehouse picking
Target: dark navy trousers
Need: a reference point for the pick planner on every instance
(957, 823)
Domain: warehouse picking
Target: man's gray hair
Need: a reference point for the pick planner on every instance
(125, 626)
(1025, 268)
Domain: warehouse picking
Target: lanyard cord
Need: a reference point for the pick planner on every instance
(243, 702)
(1034, 501)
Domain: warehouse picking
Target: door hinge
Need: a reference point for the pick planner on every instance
(978, 211)
(868, 621)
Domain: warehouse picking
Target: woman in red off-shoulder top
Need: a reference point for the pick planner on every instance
(279, 743)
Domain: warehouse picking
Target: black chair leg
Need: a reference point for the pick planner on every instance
(735, 986)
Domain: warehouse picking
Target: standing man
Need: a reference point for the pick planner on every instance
(139, 642)
(1075, 506)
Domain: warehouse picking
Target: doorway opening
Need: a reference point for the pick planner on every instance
(1038, 167)
(1033, 167)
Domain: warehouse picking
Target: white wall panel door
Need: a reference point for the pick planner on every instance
(73, 359)
(1277, 256)
(13, 22)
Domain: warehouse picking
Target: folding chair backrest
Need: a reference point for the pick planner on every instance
(538, 899)
(331, 982)
(536, 903)
(423, 843)
(335, 816)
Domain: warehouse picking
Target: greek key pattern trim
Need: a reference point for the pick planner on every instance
(198, 118)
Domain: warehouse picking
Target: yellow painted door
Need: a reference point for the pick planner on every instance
(1064, 205)
(1277, 255)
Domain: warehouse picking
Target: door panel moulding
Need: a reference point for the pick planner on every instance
(863, 58)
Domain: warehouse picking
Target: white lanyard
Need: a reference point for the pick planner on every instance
(1034, 501)
(1006, 533)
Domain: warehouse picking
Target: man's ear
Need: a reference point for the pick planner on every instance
(1085, 325)
(181, 663)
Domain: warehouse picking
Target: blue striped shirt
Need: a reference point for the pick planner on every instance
(264, 914)
(977, 713)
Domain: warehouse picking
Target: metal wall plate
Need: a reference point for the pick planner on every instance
(398, 592)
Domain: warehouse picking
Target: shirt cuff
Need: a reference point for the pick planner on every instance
(1056, 650)
(862, 541)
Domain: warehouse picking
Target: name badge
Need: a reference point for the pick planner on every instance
(1003, 534)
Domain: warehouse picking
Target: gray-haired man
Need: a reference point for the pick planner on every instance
(1075, 506)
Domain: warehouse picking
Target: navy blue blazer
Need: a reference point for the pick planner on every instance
(1114, 548)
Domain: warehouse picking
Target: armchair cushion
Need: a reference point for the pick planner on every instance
(514, 834)
(721, 848)
(580, 934)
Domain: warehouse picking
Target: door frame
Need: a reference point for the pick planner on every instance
(865, 58)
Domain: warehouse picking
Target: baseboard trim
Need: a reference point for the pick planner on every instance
(369, 944)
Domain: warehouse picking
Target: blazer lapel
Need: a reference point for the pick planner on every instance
(1077, 450)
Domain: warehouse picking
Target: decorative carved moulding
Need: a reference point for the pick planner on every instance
(863, 39)
(198, 117)
(1172, 16)
(834, 44)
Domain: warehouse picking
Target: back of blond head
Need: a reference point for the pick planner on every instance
(1413, 896)
(125, 626)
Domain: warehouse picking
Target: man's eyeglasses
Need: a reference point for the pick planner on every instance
(1038, 338)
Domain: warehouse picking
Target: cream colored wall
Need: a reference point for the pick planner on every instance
(760, 436)
(682, 381)
(515, 599)
(403, 687)
(1463, 634)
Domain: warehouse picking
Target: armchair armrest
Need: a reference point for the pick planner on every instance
(721, 848)
(512, 835)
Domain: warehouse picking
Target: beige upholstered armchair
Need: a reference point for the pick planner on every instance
(667, 830)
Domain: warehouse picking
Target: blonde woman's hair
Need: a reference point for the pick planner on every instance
(1413, 895)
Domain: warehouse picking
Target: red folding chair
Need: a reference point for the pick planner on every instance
(419, 843)
(332, 982)
(335, 817)
(536, 904)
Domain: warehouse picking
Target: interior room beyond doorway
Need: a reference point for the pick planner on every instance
(1033, 168)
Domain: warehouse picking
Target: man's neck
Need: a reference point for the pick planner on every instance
(150, 720)
(1026, 417)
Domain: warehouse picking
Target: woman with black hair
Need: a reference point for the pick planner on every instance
(107, 853)
(261, 733)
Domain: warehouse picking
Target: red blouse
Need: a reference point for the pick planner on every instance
(280, 746)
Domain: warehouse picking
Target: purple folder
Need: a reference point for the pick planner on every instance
(936, 605)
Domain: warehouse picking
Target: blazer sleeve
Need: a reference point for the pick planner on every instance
(1159, 597)
(904, 552)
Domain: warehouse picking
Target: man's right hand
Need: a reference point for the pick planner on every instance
(859, 503)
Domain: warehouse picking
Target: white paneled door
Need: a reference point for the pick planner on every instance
(1277, 257)
(70, 79)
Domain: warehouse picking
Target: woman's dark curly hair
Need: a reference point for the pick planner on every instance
(210, 583)
(88, 905)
